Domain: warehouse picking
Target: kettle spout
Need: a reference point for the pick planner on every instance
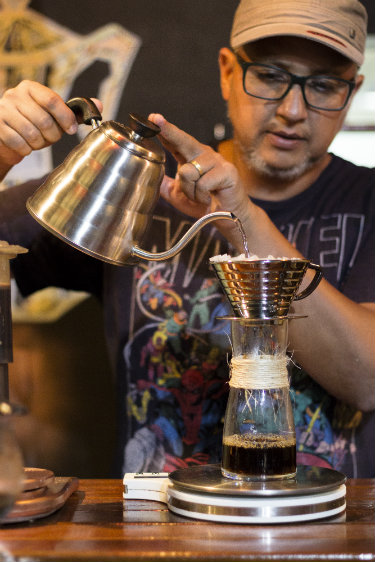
(200, 223)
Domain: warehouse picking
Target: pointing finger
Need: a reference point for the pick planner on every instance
(183, 146)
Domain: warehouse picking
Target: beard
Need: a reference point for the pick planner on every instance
(257, 164)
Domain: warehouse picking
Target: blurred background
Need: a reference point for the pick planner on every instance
(137, 56)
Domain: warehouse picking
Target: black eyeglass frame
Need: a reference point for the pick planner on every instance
(294, 79)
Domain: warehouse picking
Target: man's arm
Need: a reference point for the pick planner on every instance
(335, 343)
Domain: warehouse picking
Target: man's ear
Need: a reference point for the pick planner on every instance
(227, 61)
(358, 83)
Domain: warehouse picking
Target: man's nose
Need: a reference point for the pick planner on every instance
(293, 106)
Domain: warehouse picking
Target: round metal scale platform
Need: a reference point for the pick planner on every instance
(202, 492)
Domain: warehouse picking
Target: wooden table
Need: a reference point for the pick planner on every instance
(95, 525)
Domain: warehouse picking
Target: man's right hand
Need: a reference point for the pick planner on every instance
(32, 117)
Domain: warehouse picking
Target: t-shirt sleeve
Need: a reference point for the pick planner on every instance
(359, 282)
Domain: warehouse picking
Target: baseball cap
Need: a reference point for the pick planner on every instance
(338, 24)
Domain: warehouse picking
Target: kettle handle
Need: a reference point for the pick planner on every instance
(85, 110)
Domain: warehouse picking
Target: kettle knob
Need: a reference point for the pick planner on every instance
(142, 127)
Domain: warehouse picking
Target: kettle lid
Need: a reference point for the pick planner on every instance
(137, 137)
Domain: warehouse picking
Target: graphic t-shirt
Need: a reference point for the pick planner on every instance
(170, 350)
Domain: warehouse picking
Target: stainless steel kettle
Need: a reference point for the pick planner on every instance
(101, 198)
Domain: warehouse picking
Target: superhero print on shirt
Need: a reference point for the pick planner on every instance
(177, 363)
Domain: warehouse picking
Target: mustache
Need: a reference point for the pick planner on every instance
(287, 132)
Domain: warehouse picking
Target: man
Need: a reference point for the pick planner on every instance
(288, 81)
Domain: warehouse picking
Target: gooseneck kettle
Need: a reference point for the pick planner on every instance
(101, 198)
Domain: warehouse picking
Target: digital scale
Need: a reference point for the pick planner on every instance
(201, 492)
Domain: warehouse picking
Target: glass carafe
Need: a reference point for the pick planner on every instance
(259, 441)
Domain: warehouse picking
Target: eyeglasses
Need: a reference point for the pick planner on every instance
(269, 82)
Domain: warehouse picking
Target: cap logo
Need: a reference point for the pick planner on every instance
(326, 37)
(352, 33)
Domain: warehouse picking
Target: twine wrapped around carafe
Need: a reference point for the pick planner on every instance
(260, 372)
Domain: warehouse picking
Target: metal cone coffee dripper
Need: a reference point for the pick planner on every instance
(264, 288)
